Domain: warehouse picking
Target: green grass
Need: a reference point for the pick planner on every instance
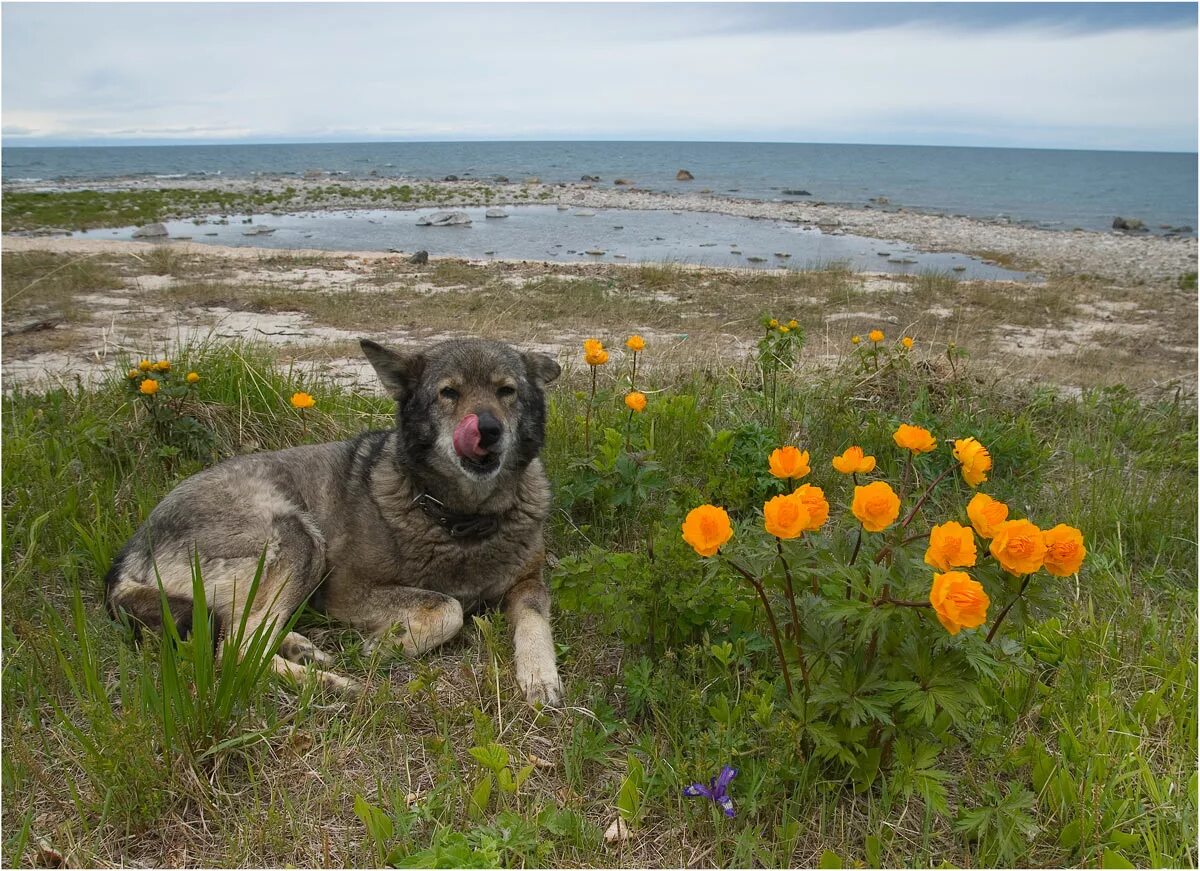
(1081, 750)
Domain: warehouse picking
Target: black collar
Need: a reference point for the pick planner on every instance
(477, 526)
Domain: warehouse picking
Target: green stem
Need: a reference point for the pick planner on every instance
(587, 420)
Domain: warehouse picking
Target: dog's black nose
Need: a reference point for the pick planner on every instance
(490, 429)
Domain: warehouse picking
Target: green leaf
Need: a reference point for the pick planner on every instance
(480, 796)
(1113, 859)
(1071, 835)
(829, 859)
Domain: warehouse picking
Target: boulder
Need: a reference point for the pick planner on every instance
(1129, 225)
(589, 178)
(151, 231)
(444, 219)
(684, 175)
(496, 213)
(585, 213)
(450, 178)
(420, 258)
(796, 192)
(501, 179)
(623, 181)
(562, 207)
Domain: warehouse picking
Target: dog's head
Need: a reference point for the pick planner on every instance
(469, 410)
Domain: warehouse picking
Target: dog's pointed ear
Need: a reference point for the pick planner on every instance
(398, 372)
(540, 368)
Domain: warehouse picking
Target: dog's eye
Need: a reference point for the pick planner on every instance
(449, 393)
(506, 391)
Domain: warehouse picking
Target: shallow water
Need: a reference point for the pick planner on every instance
(546, 233)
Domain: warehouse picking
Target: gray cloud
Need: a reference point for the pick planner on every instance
(922, 73)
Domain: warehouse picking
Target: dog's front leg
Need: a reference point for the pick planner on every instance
(527, 609)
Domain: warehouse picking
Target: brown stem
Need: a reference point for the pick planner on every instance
(853, 557)
(633, 377)
(908, 462)
(886, 599)
(995, 626)
(925, 496)
(587, 420)
(913, 538)
(762, 594)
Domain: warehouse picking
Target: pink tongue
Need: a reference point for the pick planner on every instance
(466, 438)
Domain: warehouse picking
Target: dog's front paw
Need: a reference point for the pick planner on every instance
(541, 685)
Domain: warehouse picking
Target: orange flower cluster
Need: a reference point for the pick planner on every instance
(594, 353)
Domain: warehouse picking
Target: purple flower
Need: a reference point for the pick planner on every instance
(717, 789)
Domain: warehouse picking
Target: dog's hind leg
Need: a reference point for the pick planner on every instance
(294, 567)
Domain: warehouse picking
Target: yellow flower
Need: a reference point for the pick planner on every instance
(813, 498)
(163, 366)
(592, 345)
(635, 343)
(975, 459)
(145, 365)
(1064, 550)
(915, 438)
(854, 340)
(785, 516)
(635, 401)
(950, 545)
(706, 529)
(853, 460)
(789, 462)
(596, 358)
(772, 323)
(149, 387)
(959, 602)
(793, 323)
(784, 329)
(876, 506)
(1018, 546)
(302, 400)
(875, 336)
(986, 514)
(193, 377)
(907, 342)
(134, 373)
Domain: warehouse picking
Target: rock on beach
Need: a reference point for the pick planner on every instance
(444, 219)
(151, 231)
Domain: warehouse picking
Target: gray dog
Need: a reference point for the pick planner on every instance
(397, 533)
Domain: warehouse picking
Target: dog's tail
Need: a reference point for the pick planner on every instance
(139, 604)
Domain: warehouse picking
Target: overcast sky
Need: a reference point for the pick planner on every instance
(1120, 76)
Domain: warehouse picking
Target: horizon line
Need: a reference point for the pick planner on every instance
(152, 143)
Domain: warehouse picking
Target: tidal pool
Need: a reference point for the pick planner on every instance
(579, 234)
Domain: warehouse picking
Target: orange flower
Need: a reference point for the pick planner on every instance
(950, 545)
(852, 460)
(876, 505)
(592, 345)
(785, 516)
(793, 323)
(916, 439)
(875, 336)
(302, 400)
(959, 602)
(134, 373)
(163, 366)
(594, 353)
(149, 387)
(1064, 550)
(789, 462)
(635, 401)
(975, 459)
(986, 513)
(1018, 546)
(907, 342)
(854, 340)
(814, 500)
(772, 323)
(145, 365)
(706, 529)
(193, 377)
(635, 343)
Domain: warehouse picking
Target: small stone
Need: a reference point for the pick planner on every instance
(420, 258)
(684, 175)
(496, 213)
